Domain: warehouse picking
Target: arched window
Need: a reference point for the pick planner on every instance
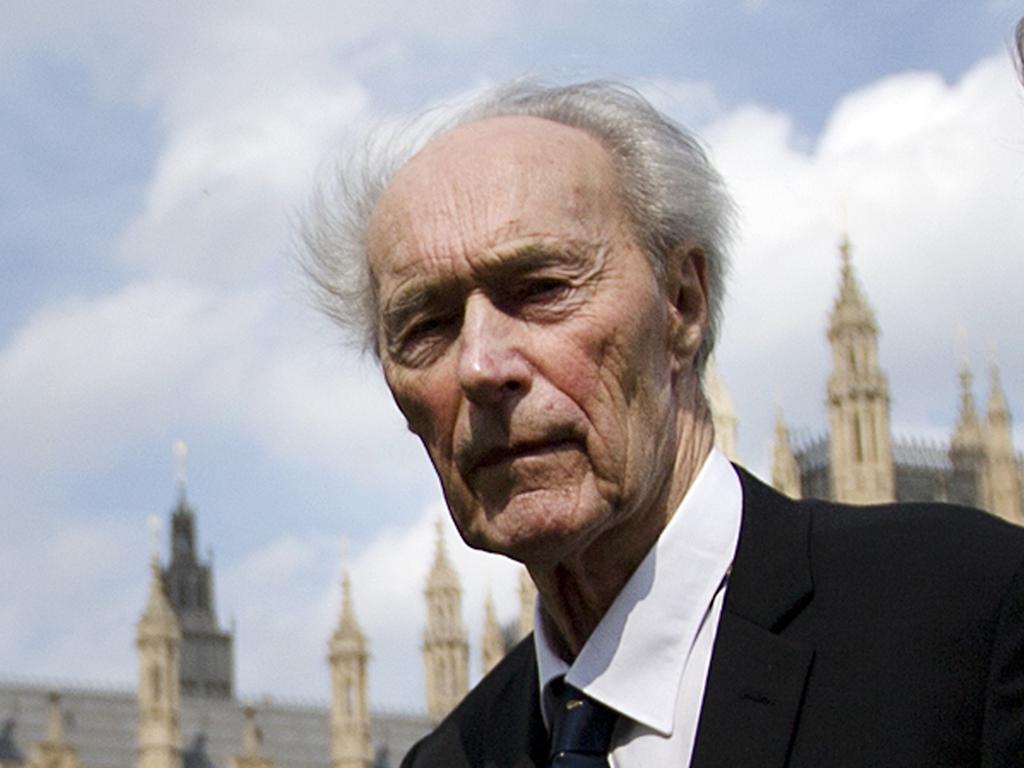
(154, 681)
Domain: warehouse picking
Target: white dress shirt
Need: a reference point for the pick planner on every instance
(649, 656)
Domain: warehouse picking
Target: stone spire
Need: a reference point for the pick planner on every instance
(967, 448)
(350, 709)
(53, 752)
(492, 640)
(527, 598)
(723, 411)
(207, 652)
(445, 648)
(10, 755)
(858, 398)
(785, 470)
(158, 641)
(1002, 471)
(251, 755)
(967, 435)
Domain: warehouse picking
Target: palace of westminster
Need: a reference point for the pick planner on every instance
(185, 714)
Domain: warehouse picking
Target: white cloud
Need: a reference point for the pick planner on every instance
(87, 382)
(71, 604)
(84, 380)
(931, 176)
(286, 598)
(219, 204)
(692, 103)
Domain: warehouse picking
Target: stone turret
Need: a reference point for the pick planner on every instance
(785, 470)
(158, 641)
(53, 751)
(858, 399)
(492, 641)
(723, 411)
(350, 709)
(445, 647)
(967, 448)
(1002, 471)
(207, 651)
(251, 755)
(10, 755)
(527, 598)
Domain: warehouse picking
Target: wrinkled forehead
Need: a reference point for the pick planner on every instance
(481, 180)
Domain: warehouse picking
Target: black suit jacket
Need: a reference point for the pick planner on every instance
(850, 636)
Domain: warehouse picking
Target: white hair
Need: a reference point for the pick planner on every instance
(668, 187)
(1019, 48)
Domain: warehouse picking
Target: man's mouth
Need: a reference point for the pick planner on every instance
(502, 455)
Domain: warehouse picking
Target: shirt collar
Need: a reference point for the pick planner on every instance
(634, 660)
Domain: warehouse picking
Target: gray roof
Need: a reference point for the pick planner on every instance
(921, 454)
(811, 452)
(101, 723)
(9, 752)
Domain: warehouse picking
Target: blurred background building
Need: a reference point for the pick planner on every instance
(186, 713)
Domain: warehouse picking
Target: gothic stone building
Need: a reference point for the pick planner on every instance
(859, 461)
(185, 713)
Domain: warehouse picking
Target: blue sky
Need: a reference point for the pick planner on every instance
(153, 159)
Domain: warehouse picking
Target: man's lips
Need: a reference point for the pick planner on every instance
(503, 454)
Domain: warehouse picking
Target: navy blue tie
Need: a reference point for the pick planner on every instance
(581, 729)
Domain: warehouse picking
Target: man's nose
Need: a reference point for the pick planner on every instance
(491, 365)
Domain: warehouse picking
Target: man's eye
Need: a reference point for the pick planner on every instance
(542, 289)
(416, 342)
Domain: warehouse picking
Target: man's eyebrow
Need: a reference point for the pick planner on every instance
(493, 266)
(409, 300)
(519, 258)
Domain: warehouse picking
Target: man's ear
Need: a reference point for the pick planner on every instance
(687, 283)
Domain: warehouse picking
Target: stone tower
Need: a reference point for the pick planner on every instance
(207, 652)
(785, 470)
(1002, 470)
(158, 641)
(492, 642)
(251, 755)
(527, 597)
(350, 710)
(445, 647)
(54, 751)
(967, 449)
(723, 411)
(858, 399)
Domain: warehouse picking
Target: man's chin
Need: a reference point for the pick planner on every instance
(529, 526)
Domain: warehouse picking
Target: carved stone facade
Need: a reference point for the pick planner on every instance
(527, 599)
(251, 755)
(350, 706)
(53, 751)
(860, 450)
(445, 644)
(158, 641)
(492, 640)
(207, 651)
(723, 412)
(859, 461)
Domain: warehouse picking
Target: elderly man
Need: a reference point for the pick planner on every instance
(541, 282)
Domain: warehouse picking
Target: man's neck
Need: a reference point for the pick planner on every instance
(575, 593)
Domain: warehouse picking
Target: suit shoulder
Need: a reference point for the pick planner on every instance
(893, 548)
(499, 714)
(956, 556)
(939, 529)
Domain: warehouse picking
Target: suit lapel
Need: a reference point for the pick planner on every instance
(514, 728)
(756, 681)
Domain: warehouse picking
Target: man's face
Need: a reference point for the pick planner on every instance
(526, 339)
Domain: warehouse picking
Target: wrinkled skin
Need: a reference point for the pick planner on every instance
(532, 349)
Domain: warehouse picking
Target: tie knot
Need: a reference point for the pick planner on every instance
(581, 728)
